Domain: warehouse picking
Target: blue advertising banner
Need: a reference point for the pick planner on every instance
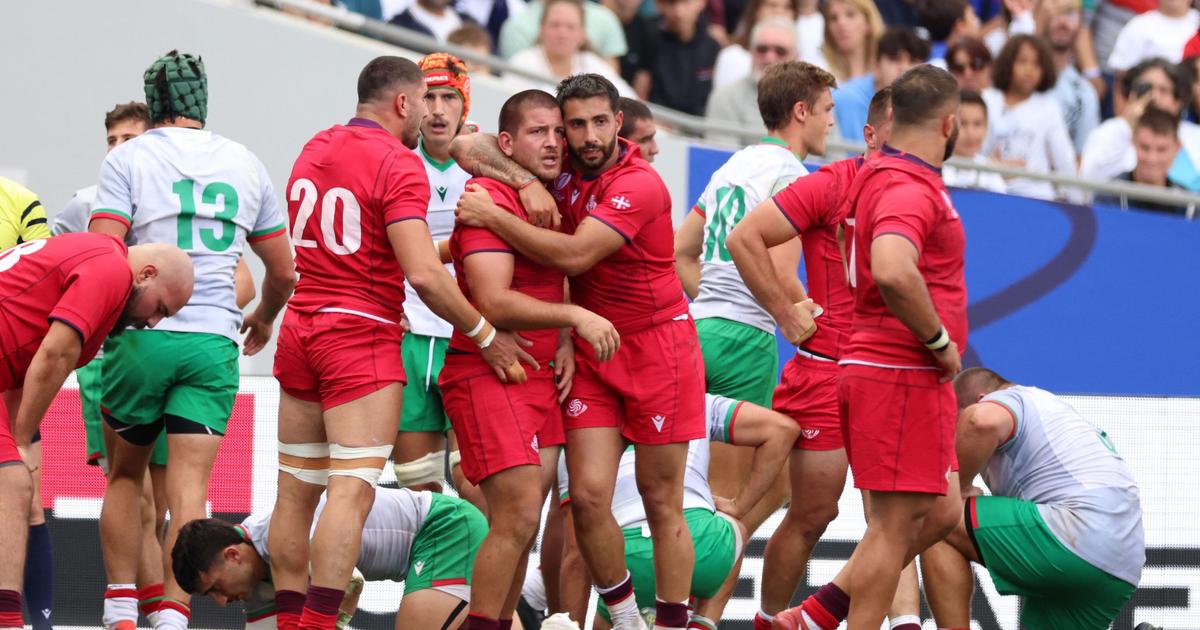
(1070, 298)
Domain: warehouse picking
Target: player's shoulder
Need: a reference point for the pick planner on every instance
(14, 197)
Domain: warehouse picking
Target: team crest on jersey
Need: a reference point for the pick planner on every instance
(620, 202)
(576, 408)
(591, 203)
(560, 182)
(810, 434)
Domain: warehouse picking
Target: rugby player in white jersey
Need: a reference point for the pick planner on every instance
(737, 335)
(1063, 525)
(718, 537)
(186, 186)
(424, 539)
(421, 441)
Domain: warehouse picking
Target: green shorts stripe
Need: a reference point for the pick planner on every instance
(1024, 557)
(151, 373)
(715, 544)
(423, 358)
(740, 361)
(443, 552)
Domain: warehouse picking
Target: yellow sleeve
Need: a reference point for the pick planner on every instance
(32, 222)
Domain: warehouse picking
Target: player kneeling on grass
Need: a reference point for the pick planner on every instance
(718, 539)
(1063, 527)
(427, 540)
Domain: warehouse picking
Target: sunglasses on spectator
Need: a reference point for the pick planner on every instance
(976, 64)
(780, 51)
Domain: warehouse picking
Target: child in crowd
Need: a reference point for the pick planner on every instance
(972, 132)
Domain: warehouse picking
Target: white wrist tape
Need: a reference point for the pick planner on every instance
(363, 462)
(478, 327)
(487, 341)
(308, 462)
(421, 470)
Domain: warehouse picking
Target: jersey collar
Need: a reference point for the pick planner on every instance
(441, 166)
(363, 122)
(779, 143)
(908, 157)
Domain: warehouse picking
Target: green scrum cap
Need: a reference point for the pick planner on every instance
(177, 86)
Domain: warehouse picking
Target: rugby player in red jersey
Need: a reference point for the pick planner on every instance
(59, 299)
(510, 435)
(357, 199)
(618, 251)
(896, 402)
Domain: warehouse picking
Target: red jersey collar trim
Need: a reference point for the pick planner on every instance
(363, 122)
(908, 157)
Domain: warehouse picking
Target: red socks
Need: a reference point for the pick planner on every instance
(10, 610)
(288, 607)
(321, 608)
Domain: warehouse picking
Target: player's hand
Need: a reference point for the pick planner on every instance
(540, 205)
(475, 205)
(600, 334)
(973, 491)
(728, 506)
(798, 329)
(564, 367)
(28, 458)
(949, 360)
(257, 329)
(505, 354)
(404, 323)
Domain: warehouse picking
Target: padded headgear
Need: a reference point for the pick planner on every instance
(176, 85)
(443, 70)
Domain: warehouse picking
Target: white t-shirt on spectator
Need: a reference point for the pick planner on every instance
(733, 63)
(1034, 132)
(1109, 149)
(1150, 35)
(810, 34)
(971, 178)
(441, 25)
(585, 62)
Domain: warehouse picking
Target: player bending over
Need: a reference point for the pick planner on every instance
(424, 539)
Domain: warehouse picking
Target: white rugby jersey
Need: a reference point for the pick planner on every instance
(202, 192)
(1082, 488)
(446, 183)
(750, 177)
(627, 501)
(74, 216)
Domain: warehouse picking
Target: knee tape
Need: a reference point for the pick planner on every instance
(307, 462)
(363, 462)
(421, 470)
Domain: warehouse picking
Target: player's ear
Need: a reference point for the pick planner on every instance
(505, 141)
(948, 123)
(231, 553)
(620, 119)
(146, 273)
(800, 111)
(400, 104)
(869, 136)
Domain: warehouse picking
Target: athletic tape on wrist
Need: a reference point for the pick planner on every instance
(939, 341)
(487, 341)
(478, 327)
(363, 462)
(421, 470)
(308, 462)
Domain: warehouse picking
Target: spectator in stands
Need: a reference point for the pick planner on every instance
(491, 14)
(810, 31)
(637, 126)
(970, 61)
(1156, 143)
(474, 38)
(1109, 150)
(735, 61)
(604, 34)
(435, 18)
(773, 41)
(1189, 72)
(972, 133)
(899, 49)
(1059, 23)
(640, 35)
(684, 57)
(946, 21)
(1025, 123)
(562, 50)
(852, 32)
(1162, 32)
(1112, 16)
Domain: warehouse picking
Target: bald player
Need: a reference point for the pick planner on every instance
(894, 394)
(181, 184)
(59, 299)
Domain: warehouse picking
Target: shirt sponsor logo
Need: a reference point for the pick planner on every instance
(658, 422)
(576, 408)
(620, 202)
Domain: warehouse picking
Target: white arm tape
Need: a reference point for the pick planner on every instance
(421, 470)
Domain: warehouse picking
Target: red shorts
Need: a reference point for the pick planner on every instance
(899, 427)
(8, 444)
(807, 393)
(334, 358)
(652, 388)
(499, 426)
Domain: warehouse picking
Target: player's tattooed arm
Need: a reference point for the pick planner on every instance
(479, 154)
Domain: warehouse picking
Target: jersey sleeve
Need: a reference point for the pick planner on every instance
(705, 201)
(786, 177)
(270, 221)
(72, 218)
(406, 192)
(95, 289)
(905, 211)
(631, 201)
(114, 195)
(32, 223)
(1012, 402)
(808, 200)
(475, 240)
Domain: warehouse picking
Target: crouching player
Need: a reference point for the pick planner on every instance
(718, 539)
(509, 435)
(1063, 527)
(425, 539)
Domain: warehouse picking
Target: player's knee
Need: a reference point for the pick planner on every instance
(423, 473)
(588, 504)
(660, 497)
(515, 520)
(364, 463)
(307, 462)
(812, 519)
(17, 483)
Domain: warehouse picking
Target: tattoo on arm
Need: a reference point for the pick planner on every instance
(488, 161)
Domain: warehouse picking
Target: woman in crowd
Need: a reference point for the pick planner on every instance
(970, 61)
(562, 50)
(852, 32)
(1025, 123)
(735, 60)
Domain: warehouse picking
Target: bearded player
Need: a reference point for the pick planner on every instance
(357, 202)
(895, 400)
(181, 184)
(510, 434)
(617, 249)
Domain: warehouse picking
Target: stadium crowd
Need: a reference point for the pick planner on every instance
(515, 316)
